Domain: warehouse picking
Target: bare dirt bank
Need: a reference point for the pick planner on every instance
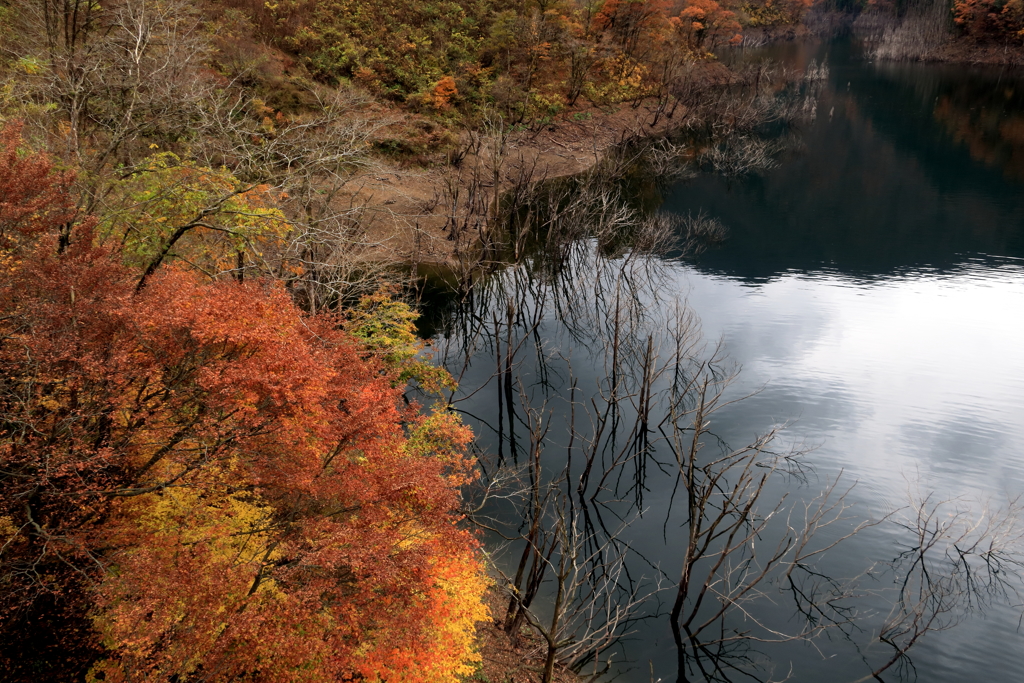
(410, 212)
(967, 51)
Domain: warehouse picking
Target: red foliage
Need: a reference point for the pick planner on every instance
(222, 483)
(34, 196)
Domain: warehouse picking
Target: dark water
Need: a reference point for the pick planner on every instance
(872, 291)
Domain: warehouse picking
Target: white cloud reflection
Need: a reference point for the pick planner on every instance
(921, 373)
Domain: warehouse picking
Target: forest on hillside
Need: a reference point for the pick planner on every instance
(224, 452)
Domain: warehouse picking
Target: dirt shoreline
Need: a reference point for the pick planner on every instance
(965, 51)
(504, 663)
(409, 210)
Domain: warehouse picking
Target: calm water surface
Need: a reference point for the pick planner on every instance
(872, 290)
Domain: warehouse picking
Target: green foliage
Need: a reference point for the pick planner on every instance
(387, 328)
(397, 48)
(30, 65)
(479, 675)
(169, 194)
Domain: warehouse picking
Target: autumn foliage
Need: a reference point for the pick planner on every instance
(706, 24)
(200, 482)
(986, 20)
(443, 92)
(630, 21)
(525, 60)
(172, 208)
(35, 197)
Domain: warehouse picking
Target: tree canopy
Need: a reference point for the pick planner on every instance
(207, 483)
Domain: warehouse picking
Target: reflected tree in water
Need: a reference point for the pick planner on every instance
(605, 388)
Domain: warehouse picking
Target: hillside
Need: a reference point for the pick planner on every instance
(223, 456)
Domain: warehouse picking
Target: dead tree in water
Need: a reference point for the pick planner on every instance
(571, 578)
(728, 564)
(588, 443)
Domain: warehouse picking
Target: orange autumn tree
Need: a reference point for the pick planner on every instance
(705, 24)
(205, 484)
(632, 23)
(990, 20)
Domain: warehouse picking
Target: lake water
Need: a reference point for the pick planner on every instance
(871, 290)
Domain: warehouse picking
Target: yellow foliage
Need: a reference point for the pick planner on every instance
(234, 524)
(624, 79)
(222, 218)
(387, 328)
(7, 531)
(462, 583)
(206, 528)
(456, 605)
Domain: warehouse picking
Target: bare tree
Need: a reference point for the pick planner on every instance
(317, 163)
(121, 74)
(587, 454)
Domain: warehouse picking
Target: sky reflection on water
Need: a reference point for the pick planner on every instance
(872, 290)
(907, 382)
(912, 374)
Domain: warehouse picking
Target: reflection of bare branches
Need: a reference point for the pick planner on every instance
(764, 92)
(816, 71)
(604, 385)
(742, 154)
(723, 126)
(696, 233)
(958, 558)
(729, 566)
(656, 387)
(594, 601)
(568, 572)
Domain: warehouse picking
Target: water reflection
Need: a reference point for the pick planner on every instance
(880, 185)
(922, 353)
(871, 290)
